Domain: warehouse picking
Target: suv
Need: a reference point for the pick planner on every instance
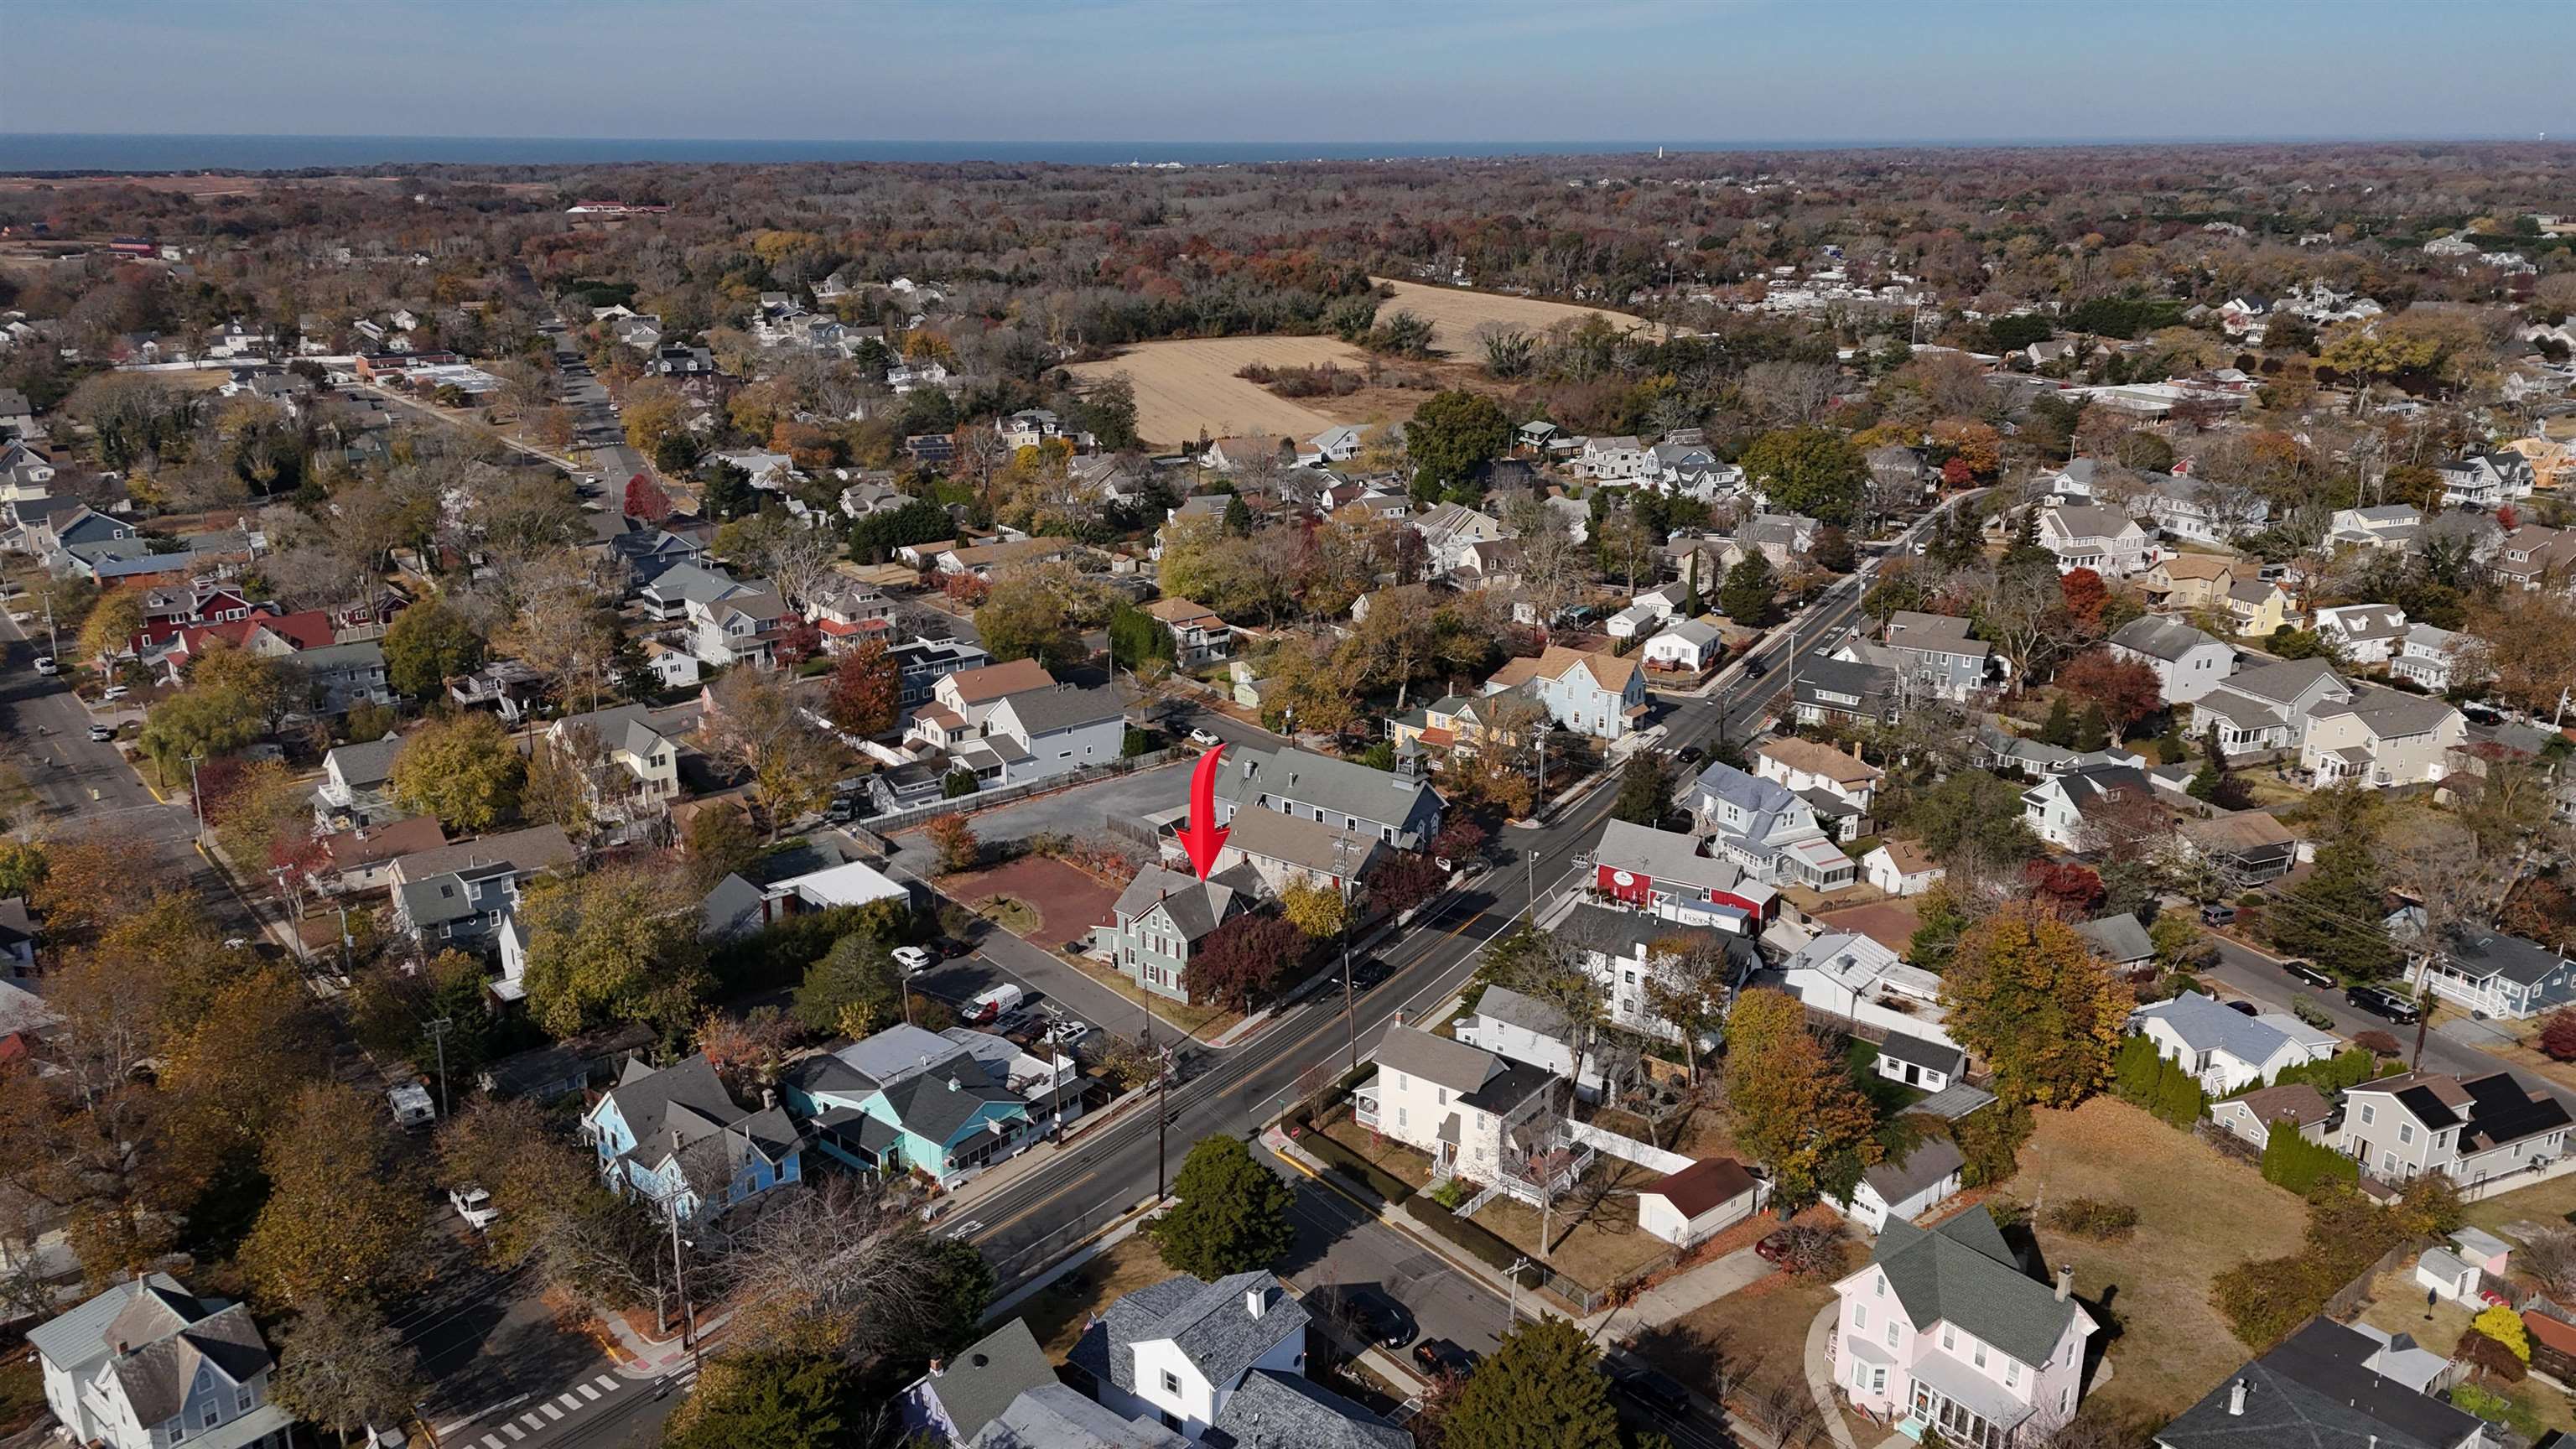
(2309, 972)
(1654, 1390)
(475, 1206)
(913, 959)
(2217, 915)
(1385, 1322)
(2380, 1001)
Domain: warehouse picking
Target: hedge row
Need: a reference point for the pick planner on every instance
(1477, 1240)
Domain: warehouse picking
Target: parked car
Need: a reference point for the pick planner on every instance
(2217, 915)
(475, 1206)
(102, 733)
(45, 664)
(1381, 1318)
(2382, 1002)
(2245, 1007)
(1440, 1356)
(2309, 972)
(913, 959)
(1204, 739)
(1773, 1248)
(993, 1003)
(113, 692)
(949, 947)
(1067, 1032)
(1655, 1390)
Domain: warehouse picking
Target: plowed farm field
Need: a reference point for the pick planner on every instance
(1455, 315)
(1188, 387)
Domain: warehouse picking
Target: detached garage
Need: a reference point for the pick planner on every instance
(1699, 1202)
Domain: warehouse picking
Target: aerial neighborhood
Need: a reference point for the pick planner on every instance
(1704, 800)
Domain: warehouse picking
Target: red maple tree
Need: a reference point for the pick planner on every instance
(2126, 689)
(2085, 596)
(645, 499)
(864, 690)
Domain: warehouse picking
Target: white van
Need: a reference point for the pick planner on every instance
(989, 1005)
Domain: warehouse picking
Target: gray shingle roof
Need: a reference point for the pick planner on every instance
(1963, 1272)
(1195, 906)
(364, 765)
(1528, 1013)
(2313, 1392)
(1931, 1160)
(1339, 787)
(1272, 1410)
(1418, 1053)
(2120, 938)
(1045, 711)
(1052, 1416)
(2159, 637)
(1210, 1323)
(981, 1381)
(2206, 1026)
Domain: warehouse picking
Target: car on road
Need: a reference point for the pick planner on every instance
(45, 664)
(1688, 754)
(2217, 915)
(913, 959)
(102, 733)
(2381, 1002)
(475, 1206)
(1655, 1390)
(2309, 972)
(1368, 973)
(1438, 1356)
(1204, 739)
(1381, 1318)
(113, 691)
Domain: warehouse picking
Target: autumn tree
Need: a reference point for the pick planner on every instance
(2086, 596)
(755, 723)
(534, 1170)
(611, 945)
(463, 768)
(1793, 1107)
(1025, 616)
(427, 645)
(2125, 690)
(1811, 471)
(2026, 994)
(955, 841)
(645, 499)
(1317, 910)
(1242, 959)
(342, 1222)
(112, 624)
(343, 1366)
(866, 689)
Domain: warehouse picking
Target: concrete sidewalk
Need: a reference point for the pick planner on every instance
(1820, 1374)
(1680, 1294)
(647, 1358)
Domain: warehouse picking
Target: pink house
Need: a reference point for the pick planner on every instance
(1943, 1330)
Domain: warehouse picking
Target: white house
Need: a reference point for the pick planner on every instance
(2472, 1129)
(2397, 526)
(1476, 1116)
(148, 1364)
(1837, 785)
(1845, 974)
(1609, 460)
(2105, 540)
(1337, 444)
(1520, 1028)
(2381, 737)
(1901, 868)
(1601, 695)
(1179, 1349)
(2068, 810)
(2432, 657)
(2363, 633)
(1691, 646)
(2222, 1048)
(1689, 1207)
(2188, 508)
(1945, 1329)
(1898, 1190)
(2188, 662)
(2485, 480)
(1769, 830)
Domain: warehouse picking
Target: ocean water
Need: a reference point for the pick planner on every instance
(70, 151)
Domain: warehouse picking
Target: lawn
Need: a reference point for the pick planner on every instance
(1596, 1240)
(2544, 1203)
(2199, 1214)
(1889, 1096)
(1752, 1343)
(1408, 1164)
(1199, 1021)
(1057, 1312)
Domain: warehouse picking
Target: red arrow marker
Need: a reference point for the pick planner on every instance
(1203, 837)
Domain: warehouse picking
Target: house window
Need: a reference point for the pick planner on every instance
(1878, 1286)
(1979, 1356)
(2012, 1374)
(2368, 1114)
(2405, 1132)
(1171, 1382)
(214, 1415)
(1860, 1315)
(1949, 1337)
(178, 1428)
(1892, 1332)
(242, 1400)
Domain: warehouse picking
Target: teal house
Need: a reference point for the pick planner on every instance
(912, 1102)
(679, 1138)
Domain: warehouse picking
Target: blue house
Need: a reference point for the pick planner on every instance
(942, 1105)
(678, 1137)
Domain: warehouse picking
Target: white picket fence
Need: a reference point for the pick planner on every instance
(1627, 1149)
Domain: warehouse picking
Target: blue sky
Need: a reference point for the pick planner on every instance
(1646, 71)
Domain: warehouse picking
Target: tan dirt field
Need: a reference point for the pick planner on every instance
(1454, 314)
(1187, 387)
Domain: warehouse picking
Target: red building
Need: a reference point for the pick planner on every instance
(1662, 871)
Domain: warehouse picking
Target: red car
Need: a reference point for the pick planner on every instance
(1774, 1248)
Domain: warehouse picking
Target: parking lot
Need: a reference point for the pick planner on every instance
(1076, 812)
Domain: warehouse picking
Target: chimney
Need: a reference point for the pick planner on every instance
(2236, 1399)
(1256, 1300)
(952, 1086)
(937, 1367)
(768, 1099)
(2065, 1284)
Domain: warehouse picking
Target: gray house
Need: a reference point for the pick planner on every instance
(2485, 970)
(1939, 656)
(2187, 662)
(2417, 1122)
(1398, 806)
(1161, 918)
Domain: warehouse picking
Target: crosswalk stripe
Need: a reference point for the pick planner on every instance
(569, 1402)
(552, 1413)
(491, 1441)
(532, 1421)
(606, 1382)
(515, 1432)
(587, 1392)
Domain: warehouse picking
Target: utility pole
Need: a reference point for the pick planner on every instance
(1512, 1317)
(680, 1278)
(1350, 996)
(196, 801)
(437, 1033)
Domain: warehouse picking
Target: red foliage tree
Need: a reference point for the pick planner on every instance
(219, 787)
(865, 689)
(1242, 959)
(2085, 597)
(2558, 1036)
(799, 643)
(646, 500)
(2507, 518)
(2127, 689)
(2070, 890)
(1404, 880)
(1957, 474)
(1459, 841)
(965, 589)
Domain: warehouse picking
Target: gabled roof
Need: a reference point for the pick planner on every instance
(1195, 906)
(1046, 711)
(1212, 1325)
(1273, 1410)
(1963, 1272)
(1663, 855)
(1058, 1418)
(2161, 637)
(2119, 938)
(1608, 671)
(151, 1335)
(2316, 1391)
(2205, 1026)
(1311, 844)
(685, 1111)
(2296, 1103)
(1705, 1184)
(993, 681)
(1338, 787)
(2493, 1109)
(364, 765)
(1818, 758)
(1452, 1064)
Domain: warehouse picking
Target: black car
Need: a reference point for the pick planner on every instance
(1381, 1318)
(2382, 1002)
(1368, 973)
(1688, 754)
(2309, 972)
(1654, 1390)
(1438, 1356)
(2246, 1008)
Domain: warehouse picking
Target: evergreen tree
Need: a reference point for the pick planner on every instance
(2211, 781)
(1645, 790)
(1746, 596)
(782, 1399)
(1692, 605)
(1232, 1213)
(2060, 729)
(2092, 729)
(2333, 917)
(1543, 1389)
